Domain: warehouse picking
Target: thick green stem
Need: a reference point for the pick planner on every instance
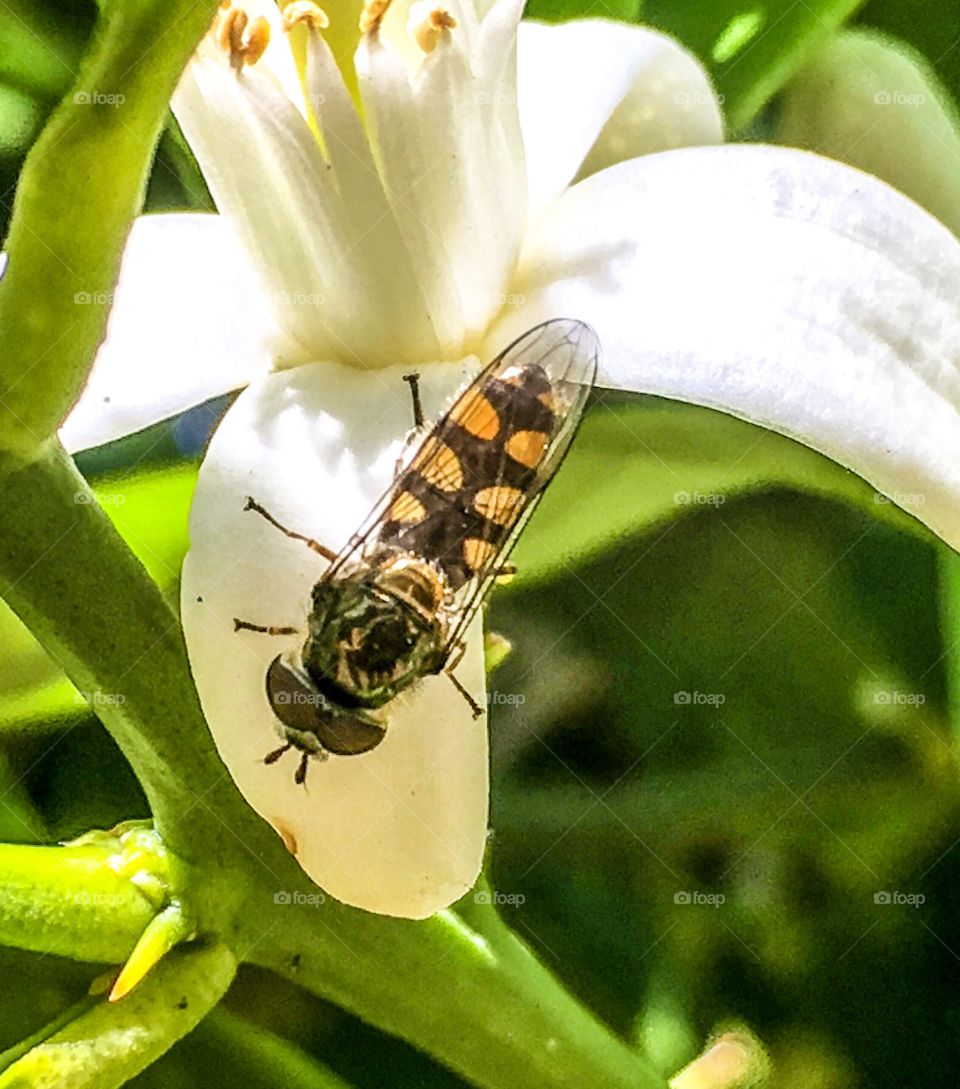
(482, 1003)
(111, 1042)
(474, 996)
(72, 580)
(93, 158)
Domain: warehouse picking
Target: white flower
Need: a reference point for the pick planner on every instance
(428, 230)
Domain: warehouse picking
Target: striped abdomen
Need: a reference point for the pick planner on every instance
(475, 474)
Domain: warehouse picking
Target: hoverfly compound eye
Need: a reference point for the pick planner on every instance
(294, 700)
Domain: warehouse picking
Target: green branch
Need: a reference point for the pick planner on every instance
(92, 158)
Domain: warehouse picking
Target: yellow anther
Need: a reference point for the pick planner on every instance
(244, 42)
(427, 24)
(307, 12)
(372, 15)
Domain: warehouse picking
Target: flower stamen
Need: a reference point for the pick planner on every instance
(306, 12)
(372, 15)
(427, 24)
(243, 41)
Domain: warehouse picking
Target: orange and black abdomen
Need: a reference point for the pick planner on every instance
(469, 483)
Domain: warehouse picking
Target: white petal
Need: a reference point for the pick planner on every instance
(324, 255)
(187, 323)
(450, 153)
(776, 285)
(594, 93)
(399, 830)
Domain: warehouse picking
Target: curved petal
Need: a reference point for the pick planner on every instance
(401, 829)
(776, 285)
(593, 93)
(187, 323)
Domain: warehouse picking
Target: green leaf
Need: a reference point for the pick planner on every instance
(647, 461)
(873, 102)
(750, 47)
(555, 11)
(240, 1053)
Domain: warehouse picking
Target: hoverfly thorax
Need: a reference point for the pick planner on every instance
(365, 643)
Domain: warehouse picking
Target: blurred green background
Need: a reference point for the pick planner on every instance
(724, 767)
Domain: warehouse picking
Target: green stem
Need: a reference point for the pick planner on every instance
(88, 600)
(93, 157)
(69, 901)
(482, 1004)
(111, 1042)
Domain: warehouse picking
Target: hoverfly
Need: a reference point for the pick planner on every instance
(395, 602)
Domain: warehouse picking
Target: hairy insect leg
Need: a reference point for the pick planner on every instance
(300, 775)
(273, 757)
(317, 547)
(455, 660)
(264, 629)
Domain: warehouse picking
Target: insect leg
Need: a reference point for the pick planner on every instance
(317, 547)
(273, 757)
(455, 660)
(300, 775)
(413, 380)
(245, 625)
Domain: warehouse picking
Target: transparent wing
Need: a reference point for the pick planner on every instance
(470, 487)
